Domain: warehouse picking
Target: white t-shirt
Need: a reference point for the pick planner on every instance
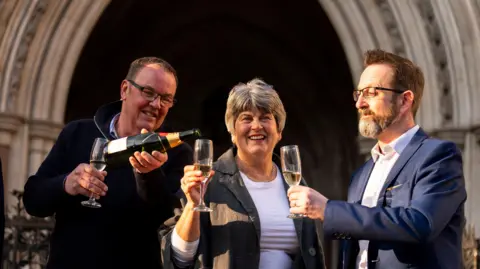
(278, 236)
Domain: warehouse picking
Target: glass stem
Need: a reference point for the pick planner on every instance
(202, 187)
(92, 196)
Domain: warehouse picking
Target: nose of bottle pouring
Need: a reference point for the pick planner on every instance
(197, 133)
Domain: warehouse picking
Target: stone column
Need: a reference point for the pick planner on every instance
(10, 125)
(472, 171)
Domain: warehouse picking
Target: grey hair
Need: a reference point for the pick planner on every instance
(254, 95)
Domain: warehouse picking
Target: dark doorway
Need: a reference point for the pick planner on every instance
(214, 45)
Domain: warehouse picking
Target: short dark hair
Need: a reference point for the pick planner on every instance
(139, 63)
(407, 75)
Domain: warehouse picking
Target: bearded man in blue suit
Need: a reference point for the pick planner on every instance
(405, 205)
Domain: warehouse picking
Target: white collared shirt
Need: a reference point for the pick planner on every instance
(383, 164)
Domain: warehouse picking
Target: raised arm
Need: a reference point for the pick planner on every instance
(437, 195)
(180, 245)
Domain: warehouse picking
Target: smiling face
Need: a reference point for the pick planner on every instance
(255, 134)
(136, 109)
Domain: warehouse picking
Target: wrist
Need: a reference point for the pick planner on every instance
(66, 187)
(190, 205)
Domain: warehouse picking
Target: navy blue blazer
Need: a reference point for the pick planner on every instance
(419, 218)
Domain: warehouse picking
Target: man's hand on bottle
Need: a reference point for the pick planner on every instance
(144, 162)
(84, 180)
(191, 181)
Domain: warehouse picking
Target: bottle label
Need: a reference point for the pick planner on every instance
(117, 145)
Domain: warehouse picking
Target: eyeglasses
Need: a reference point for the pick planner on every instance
(369, 92)
(150, 95)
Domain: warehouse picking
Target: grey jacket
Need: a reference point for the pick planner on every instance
(230, 235)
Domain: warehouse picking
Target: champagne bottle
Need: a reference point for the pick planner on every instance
(119, 150)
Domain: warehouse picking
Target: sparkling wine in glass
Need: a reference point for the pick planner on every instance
(291, 169)
(202, 160)
(97, 161)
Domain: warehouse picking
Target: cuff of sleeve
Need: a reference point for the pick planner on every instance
(183, 247)
(62, 191)
(329, 220)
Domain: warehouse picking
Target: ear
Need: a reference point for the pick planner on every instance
(406, 102)
(279, 137)
(123, 90)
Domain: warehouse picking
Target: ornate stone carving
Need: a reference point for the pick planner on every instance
(32, 23)
(391, 26)
(441, 61)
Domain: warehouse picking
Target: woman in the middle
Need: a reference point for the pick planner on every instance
(248, 227)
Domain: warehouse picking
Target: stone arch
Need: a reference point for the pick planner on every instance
(395, 26)
(41, 41)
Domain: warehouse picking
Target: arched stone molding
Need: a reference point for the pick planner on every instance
(23, 21)
(467, 25)
(39, 47)
(459, 26)
(395, 26)
(57, 48)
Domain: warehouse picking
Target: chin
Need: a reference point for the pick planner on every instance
(258, 151)
(148, 127)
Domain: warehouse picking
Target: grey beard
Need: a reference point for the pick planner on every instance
(372, 128)
(369, 128)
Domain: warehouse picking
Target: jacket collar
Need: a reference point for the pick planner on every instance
(407, 153)
(104, 116)
(232, 180)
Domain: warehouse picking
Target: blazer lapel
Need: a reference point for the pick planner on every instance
(406, 154)
(237, 187)
(297, 222)
(361, 181)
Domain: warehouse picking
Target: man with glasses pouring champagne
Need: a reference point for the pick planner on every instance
(405, 205)
(122, 233)
(248, 225)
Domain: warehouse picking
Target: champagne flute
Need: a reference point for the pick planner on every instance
(291, 169)
(202, 160)
(97, 161)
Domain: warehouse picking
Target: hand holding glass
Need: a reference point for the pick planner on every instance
(202, 160)
(97, 161)
(291, 169)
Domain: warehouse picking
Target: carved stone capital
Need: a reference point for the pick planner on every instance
(9, 125)
(43, 129)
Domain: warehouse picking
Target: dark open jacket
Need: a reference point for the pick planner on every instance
(121, 234)
(230, 235)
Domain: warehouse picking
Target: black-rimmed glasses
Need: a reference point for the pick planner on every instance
(369, 92)
(150, 95)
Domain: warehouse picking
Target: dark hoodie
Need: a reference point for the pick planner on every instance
(123, 232)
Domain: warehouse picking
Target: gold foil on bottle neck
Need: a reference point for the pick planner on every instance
(174, 139)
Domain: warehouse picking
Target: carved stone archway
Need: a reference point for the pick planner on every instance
(41, 40)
